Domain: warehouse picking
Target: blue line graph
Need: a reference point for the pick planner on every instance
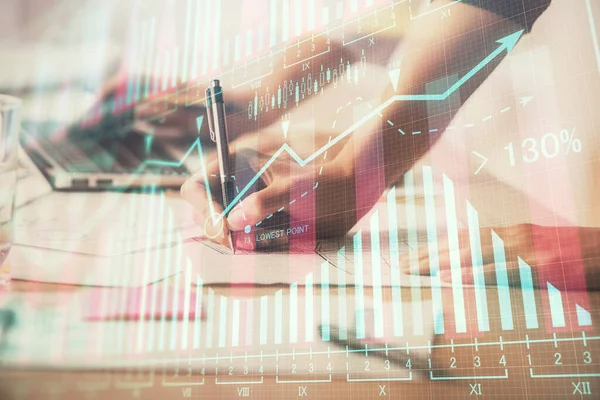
(588, 6)
(506, 44)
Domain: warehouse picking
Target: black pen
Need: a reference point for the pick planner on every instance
(215, 109)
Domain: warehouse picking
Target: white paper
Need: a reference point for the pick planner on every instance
(103, 224)
(52, 266)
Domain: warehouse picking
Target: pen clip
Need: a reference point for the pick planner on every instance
(209, 115)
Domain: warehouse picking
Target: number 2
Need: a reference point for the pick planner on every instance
(557, 356)
(452, 362)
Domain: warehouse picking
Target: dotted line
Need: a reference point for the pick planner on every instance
(433, 130)
(451, 127)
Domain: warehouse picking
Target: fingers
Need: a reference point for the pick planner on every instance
(489, 274)
(207, 213)
(447, 253)
(258, 206)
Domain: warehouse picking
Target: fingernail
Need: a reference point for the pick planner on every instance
(235, 219)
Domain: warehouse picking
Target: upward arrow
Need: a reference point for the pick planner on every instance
(511, 40)
(507, 43)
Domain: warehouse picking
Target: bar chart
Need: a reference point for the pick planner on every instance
(291, 314)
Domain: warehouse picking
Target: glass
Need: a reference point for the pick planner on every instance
(9, 131)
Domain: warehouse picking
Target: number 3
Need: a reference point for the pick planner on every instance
(535, 154)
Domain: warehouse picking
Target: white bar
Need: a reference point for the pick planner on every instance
(152, 199)
(395, 261)
(186, 43)
(477, 265)
(165, 77)
(454, 248)
(273, 23)
(588, 5)
(339, 12)
(312, 15)
(197, 36)
(175, 67)
(155, 288)
(583, 316)
(502, 284)
(342, 312)
(285, 20)
(249, 321)
(528, 294)
(165, 286)
(226, 52)
(309, 309)
(249, 43)
(413, 244)
(434, 263)
(186, 305)
(376, 274)
(298, 15)
(294, 312)
(133, 57)
(325, 302)
(223, 322)
(278, 316)
(206, 34)
(261, 38)
(198, 316)
(150, 53)
(264, 305)
(235, 326)
(175, 309)
(139, 65)
(557, 311)
(216, 34)
(237, 48)
(325, 16)
(210, 314)
(157, 78)
(359, 310)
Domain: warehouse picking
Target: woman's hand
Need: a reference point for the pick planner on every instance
(319, 194)
(572, 253)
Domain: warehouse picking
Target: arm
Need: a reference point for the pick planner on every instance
(443, 53)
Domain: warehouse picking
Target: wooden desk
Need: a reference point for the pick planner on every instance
(516, 363)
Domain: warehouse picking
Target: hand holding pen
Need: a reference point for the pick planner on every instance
(215, 111)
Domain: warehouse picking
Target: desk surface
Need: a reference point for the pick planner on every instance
(501, 363)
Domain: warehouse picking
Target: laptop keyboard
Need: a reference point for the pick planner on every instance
(124, 155)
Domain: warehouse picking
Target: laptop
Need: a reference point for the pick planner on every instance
(109, 154)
